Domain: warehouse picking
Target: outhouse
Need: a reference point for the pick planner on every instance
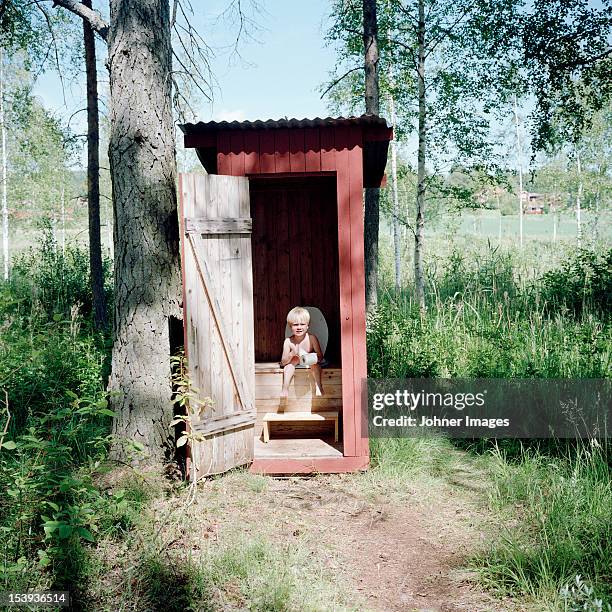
(276, 222)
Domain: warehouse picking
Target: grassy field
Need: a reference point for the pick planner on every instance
(487, 224)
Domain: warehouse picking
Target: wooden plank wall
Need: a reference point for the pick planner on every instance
(335, 150)
(295, 258)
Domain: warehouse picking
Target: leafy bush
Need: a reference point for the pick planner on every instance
(43, 363)
(55, 281)
(56, 422)
(582, 284)
(474, 329)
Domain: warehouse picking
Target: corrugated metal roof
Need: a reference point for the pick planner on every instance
(272, 124)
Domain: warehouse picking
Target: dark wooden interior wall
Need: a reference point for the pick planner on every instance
(295, 258)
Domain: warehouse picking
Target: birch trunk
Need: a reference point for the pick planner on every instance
(520, 171)
(143, 171)
(419, 233)
(63, 214)
(579, 200)
(396, 233)
(96, 272)
(372, 195)
(5, 219)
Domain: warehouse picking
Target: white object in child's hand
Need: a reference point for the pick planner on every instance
(308, 359)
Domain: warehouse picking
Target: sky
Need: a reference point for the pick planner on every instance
(280, 68)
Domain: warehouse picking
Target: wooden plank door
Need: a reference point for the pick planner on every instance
(218, 317)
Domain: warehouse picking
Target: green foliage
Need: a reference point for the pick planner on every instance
(582, 284)
(57, 426)
(40, 154)
(53, 280)
(483, 322)
(567, 52)
(471, 54)
(41, 36)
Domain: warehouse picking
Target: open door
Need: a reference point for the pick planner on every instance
(218, 318)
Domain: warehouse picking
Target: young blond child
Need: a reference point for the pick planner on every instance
(298, 343)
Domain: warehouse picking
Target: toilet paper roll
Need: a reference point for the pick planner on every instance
(308, 359)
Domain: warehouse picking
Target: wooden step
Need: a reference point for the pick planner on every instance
(298, 416)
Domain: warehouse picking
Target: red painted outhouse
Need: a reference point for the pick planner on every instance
(277, 222)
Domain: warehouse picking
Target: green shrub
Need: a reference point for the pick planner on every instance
(482, 323)
(52, 378)
(582, 284)
(55, 281)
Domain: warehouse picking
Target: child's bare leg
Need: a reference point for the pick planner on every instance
(288, 373)
(316, 372)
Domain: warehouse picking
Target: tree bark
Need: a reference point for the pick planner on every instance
(96, 272)
(143, 173)
(372, 195)
(419, 232)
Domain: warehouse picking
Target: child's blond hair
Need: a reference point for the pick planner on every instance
(297, 315)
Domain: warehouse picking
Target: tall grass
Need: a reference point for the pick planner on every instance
(482, 321)
(487, 318)
(561, 528)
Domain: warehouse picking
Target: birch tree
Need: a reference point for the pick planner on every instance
(372, 194)
(451, 72)
(5, 218)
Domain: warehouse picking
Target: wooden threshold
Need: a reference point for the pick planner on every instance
(312, 465)
(298, 448)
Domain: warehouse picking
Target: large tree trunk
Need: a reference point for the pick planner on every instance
(96, 271)
(143, 171)
(372, 195)
(419, 232)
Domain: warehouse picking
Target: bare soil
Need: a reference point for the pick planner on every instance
(402, 555)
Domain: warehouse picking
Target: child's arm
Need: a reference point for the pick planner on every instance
(289, 354)
(316, 347)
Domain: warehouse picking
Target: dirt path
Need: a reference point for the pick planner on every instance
(397, 555)
(373, 541)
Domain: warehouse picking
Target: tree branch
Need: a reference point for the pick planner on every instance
(95, 21)
(57, 61)
(339, 79)
(583, 62)
(448, 30)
